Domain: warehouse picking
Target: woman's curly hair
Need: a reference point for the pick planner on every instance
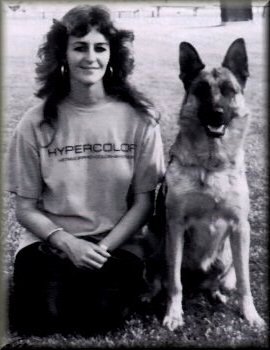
(54, 85)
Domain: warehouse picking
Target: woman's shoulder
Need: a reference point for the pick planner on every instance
(35, 112)
(32, 116)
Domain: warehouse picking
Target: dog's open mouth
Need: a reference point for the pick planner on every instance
(216, 131)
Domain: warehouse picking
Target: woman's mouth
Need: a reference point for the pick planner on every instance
(89, 68)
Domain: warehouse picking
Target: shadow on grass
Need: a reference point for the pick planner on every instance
(207, 324)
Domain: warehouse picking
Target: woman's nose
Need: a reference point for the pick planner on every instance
(91, 54)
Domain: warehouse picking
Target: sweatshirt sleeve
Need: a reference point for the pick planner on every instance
(150, 167)
(23, 175)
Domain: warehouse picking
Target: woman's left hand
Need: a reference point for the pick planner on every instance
(81, 253)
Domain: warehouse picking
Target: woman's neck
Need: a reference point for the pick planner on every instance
(87, 95)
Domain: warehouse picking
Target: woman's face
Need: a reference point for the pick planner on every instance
(88, 57)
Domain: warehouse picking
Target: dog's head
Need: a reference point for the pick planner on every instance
(217, 91)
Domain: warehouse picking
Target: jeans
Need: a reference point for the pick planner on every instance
(49, 294)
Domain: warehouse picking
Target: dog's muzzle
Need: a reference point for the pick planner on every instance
(215, 131)
(216, 125)
(214, 121)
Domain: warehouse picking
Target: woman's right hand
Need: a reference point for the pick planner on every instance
(83, 254)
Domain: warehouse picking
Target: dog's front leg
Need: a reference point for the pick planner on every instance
(174, 253)
(240, 240)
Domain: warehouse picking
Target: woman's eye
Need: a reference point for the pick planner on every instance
(80, 49)
(100, 48)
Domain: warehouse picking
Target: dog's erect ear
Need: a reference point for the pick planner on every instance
(190, 63)
(236, 61)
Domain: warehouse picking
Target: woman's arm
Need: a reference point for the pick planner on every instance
(131, 222)
(80, 252)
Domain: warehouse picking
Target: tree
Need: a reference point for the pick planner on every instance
(236, 10)
(14, 7)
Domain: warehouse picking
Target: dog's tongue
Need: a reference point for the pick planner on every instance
(218, 131)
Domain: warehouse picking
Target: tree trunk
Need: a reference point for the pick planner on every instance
(236, 10)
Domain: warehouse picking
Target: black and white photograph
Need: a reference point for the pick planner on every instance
(134, 174)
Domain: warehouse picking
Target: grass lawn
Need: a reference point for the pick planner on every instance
(156, 74)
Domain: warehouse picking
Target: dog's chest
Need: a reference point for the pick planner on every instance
(226, 185)
(213, 182)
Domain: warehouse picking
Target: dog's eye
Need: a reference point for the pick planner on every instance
(202, 88)
(227, 89)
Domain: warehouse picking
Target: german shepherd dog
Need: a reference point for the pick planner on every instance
(205, 187)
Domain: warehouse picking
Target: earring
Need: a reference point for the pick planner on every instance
(111, 70)
(63, 70)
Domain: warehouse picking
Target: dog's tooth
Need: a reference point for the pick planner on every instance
(216, 129)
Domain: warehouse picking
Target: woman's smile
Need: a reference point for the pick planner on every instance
(90, 69)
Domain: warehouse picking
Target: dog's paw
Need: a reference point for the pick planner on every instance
(219, 297)
(146, 298)
(173, 322)
(174, 317)
(251, 315)
(255, 320)
(154, 288)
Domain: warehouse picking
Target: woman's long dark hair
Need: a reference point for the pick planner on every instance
(52, 71)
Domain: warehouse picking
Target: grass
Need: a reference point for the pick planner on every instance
(156, 74)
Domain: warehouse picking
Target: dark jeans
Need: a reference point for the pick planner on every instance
(49, 294)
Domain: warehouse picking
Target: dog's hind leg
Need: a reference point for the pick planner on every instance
(240, 241)
(222, 274)
(228, 282)
(154, 288)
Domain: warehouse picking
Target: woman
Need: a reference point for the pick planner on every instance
(84, 165)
